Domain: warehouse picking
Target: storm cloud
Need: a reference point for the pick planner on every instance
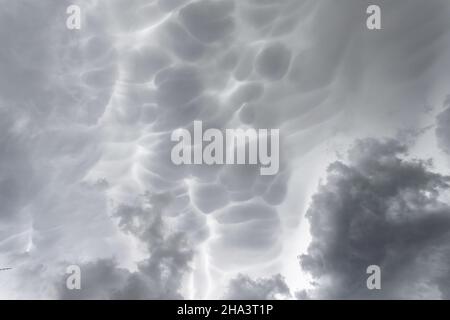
(244, 288)
(380, 208)
(157, 277)
(86, 176)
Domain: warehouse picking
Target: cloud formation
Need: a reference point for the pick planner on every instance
(443, 127)
(380, 208)
(86, 117)
(159, 276)
(243, 287)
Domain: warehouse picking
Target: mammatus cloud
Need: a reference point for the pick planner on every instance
(380, 208)
(86, 117)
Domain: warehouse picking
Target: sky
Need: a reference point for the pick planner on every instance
(86, 176)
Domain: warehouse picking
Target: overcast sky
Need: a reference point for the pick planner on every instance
(85, 171)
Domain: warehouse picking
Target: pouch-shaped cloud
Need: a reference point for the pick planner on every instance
(86, 117)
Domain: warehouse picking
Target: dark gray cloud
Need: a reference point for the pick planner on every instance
(382, 209)
(244, 288)
(157, 277)
(86, 117)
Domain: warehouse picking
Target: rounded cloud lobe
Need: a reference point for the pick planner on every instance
(86, 117)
